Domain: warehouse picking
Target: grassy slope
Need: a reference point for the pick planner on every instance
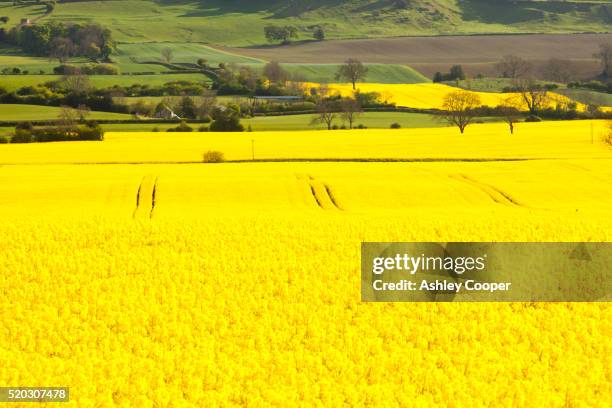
(13, 82)
(10, 112)
(241, 23)
(380, 73)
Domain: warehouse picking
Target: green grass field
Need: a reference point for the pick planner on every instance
(9, 112)
(379, 73)
(14, 82)
(372, 120)
(241, 22)
(588, 97)
(181, 53)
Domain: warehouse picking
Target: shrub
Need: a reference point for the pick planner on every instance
(607, 139)
(155, 129)
(213, 156)
(22, 136)
(3, 140)
(183, 127)
(360, 126)
(395, 125)
(533, 118)
(203, 128)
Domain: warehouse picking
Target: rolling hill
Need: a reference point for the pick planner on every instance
(241, 22)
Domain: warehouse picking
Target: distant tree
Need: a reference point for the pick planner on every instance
(318, 33)
(275, 72)
(456, 73)
(226, 119)
(352, 71)
(62, 48)
(68, 117)
(284, 34)
(351, 110)
(513, 67)
(187, 108)
(206, 104)
(4, 19)
(83, 112)
(510, 109)
(438, 77)
(77, 83)
(202, 62)
(534, 95)
(167, 54)
(558, 70)
(460, 108)
(326, 113)
(605, 58)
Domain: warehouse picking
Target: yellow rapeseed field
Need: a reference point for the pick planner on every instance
(140, 278)
(431, 96)
(561, 139)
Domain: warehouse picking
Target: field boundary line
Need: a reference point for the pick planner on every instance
(319, 160)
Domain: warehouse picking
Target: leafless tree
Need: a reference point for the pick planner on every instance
(68, 117)
(513, 67)
(206, 103)
(167, 54)
(62, 49)
(351, 110)
(76, 83)
(326, 113)
(511, 111)
(605, 57)
(534, 95)
(352, 71)
(275, 72)
(83, 111)
(558, 70)
(460, 108)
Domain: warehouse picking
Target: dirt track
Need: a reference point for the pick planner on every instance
(429, 54)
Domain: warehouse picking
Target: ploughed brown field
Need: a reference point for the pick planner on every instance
(477, 54)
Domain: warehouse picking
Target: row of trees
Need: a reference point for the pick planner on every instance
(284, 34)
(62, 41)
(555, 69)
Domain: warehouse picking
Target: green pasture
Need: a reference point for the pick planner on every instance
(10, 112)
(241, 23)
(14, 82)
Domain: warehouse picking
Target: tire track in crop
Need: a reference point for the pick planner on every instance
(146, 197)
(321, 192)
(494, 193)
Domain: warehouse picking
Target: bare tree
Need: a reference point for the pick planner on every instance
(275, 73)
(75, 83)
(167, 54)
(206, 104)
(62, 49)
(558, 70)
(351, 110)
(608, 136)
(510, 109)
(68, 117)
(352, 71)
(326, 113)
(83, 111)
(605, 57)
(534, 95)
(460, 108)
(513, 67)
